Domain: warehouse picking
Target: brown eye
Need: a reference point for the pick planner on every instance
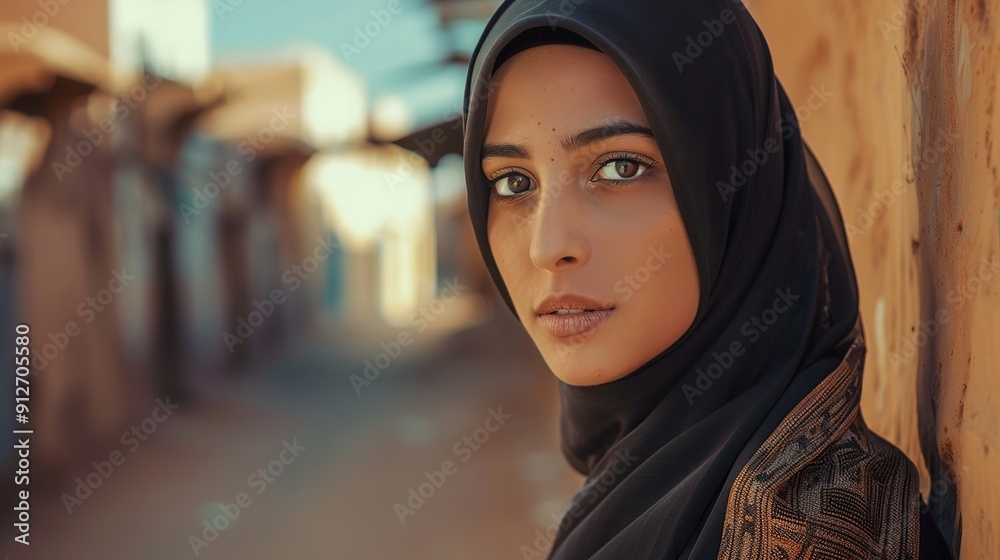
(626, 168)
(620, 170)
(512, 184)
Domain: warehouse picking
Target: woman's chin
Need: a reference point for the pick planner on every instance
(587, 364)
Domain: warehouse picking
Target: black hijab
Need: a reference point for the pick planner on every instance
(662, 445)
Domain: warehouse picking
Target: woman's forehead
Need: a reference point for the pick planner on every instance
(559, 87)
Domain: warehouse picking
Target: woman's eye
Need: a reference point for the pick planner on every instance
(512, 184)
(620, 169)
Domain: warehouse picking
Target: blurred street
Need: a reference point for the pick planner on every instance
(252, 318)
(362, 454)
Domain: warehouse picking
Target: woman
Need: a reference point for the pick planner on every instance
(647, 208)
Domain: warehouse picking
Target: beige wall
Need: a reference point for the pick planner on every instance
(173, 35)
(86, 20)
(908, 139)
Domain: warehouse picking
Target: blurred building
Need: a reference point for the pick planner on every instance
(272, 240)
(94, 135)
(172, 37)
(164, 222)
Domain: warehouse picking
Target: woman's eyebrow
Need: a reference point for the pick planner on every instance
(505, 151)
(593, 135)
(570, 143)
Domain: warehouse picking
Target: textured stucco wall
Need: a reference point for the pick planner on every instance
(908, 139)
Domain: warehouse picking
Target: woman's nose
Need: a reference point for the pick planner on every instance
(558, 232)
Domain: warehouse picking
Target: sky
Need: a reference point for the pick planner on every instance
(402, 57)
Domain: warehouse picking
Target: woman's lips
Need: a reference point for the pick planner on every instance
(573, 324)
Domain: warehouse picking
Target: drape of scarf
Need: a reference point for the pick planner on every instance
(663, 447)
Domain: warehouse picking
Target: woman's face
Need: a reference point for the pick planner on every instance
(582, 215)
